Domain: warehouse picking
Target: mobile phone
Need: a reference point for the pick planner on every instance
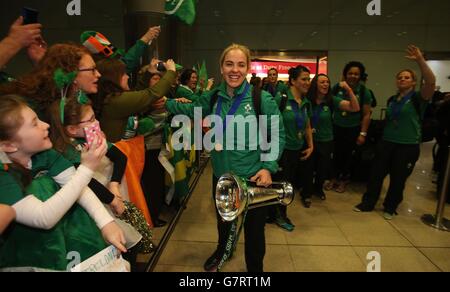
(91, 132)
(30, 15)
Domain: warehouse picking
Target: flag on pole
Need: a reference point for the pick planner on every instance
(182, 167)
(184, 10)
(203, 76)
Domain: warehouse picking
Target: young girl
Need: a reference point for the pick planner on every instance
(68, 138)
(31, 176)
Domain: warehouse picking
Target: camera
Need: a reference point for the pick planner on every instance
(161, 67)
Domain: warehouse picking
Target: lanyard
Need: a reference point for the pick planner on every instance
(300, 117)
(234, 107)
(398, 106)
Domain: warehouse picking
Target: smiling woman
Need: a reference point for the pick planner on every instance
(39, 85)
(236, 97)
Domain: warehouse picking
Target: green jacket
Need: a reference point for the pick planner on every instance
(280, 88)
(184, 91)
(407, 128)
(30, 247)
(133, 56)
(118, 108)
(295, 137)
(244, 163)
(350, 119)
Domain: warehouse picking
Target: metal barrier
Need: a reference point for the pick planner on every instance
(164, 240)
(438, 221)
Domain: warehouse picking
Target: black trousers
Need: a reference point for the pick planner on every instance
(345, 143)
(152, 182)
(255, 242)
(397, 160)
(299, 173)
(322, 163)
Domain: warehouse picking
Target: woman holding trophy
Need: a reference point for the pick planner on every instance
(235, 97)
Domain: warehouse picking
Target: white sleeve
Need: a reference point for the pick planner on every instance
(32, 212)
(64, 177)
(89, 201)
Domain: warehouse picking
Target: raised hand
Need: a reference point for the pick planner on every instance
(151, 34)
(414, 54)
(36, 51)
(92, 157)
(24, 35)
(170, 65)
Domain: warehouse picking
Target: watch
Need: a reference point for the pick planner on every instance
(364, 134)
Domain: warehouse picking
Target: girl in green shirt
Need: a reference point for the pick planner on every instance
(399, 149)
(350, 128)
(295, 110)
(42, 187)
(323, 107)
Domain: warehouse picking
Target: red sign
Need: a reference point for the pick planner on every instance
(282, 67)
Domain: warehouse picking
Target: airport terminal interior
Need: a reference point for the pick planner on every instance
(175, 214)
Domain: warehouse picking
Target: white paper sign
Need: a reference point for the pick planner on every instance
(108, 260)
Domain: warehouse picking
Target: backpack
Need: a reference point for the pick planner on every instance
(428, 120)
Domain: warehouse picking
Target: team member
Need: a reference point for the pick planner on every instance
(236, 97)
(323, 107)
(399, 149)
(350, 127)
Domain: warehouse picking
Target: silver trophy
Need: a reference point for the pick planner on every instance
(233, 194)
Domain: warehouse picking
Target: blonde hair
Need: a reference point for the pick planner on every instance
(413, 74)
(232, 47)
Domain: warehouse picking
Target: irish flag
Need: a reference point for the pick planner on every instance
(184, 10)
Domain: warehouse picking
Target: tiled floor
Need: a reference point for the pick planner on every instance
(328, 237)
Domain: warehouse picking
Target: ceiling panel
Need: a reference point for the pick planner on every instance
(392, 38)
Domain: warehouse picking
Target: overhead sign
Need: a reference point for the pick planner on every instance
(282, 67)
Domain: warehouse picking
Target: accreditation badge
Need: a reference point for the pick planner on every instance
(300, 135)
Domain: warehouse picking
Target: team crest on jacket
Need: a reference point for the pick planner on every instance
(248, 108)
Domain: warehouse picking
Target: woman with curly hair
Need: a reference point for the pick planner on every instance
(39, 87)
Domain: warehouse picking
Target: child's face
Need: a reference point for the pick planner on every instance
(87, 120)
(32, 136)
